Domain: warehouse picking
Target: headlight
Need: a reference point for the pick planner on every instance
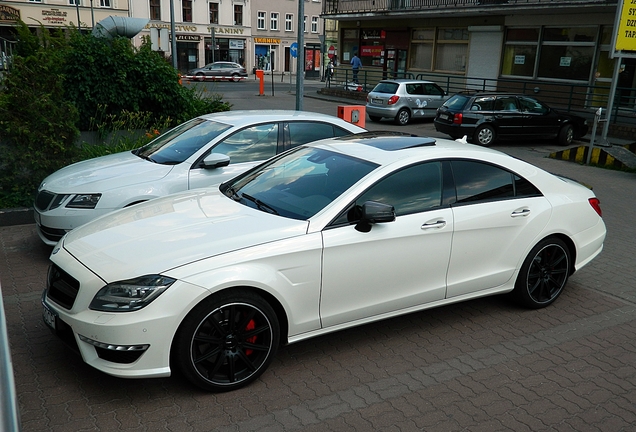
(84, 201)
(130, 295)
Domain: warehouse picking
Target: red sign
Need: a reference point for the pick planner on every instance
(371, 50)
(331, 52)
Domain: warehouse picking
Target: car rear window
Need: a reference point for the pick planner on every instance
(387, 87)
(456, 102)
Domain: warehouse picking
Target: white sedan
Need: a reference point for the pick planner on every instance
(326, 236)
(194, 154)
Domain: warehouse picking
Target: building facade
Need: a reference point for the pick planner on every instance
(566, 41)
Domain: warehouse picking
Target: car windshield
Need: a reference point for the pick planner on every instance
(178, 144)
(386, 87)
(298, 184)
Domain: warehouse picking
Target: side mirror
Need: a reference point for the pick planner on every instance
(215, 160)
(373, 212)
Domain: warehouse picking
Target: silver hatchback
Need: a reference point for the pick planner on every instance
(403, 99)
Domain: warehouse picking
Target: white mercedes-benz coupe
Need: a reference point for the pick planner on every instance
(325, 236)
(201, 152)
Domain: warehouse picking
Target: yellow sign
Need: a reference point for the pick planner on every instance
(271, 41)
(626, 36)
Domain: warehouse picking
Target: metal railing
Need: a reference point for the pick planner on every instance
(336, 7)
(579, 98)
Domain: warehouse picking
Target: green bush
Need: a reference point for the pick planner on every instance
(67, 81)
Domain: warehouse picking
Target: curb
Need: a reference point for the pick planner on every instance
(18, 216)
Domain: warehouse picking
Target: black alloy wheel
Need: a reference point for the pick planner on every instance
(566, 135)
(543, 274)
(227, 341)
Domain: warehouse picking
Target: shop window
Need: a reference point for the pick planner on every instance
(566, 62)
(260, 20)
(273, 21)
(155, 10)
(187, 10)
(519, 60)
(238, 15)
(289, 22)
(442, 49)
(214, 13)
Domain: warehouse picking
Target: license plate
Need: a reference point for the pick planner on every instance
(377, 101)
(444, 117)
(49, 316)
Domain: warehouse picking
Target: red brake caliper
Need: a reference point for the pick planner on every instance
(250, 326)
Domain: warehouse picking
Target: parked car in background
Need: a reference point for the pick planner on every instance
(201, 152)
(403, 100)
(218, 71)
(329, 235)
(485, 118)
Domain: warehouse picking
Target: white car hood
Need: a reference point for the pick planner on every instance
(164, 233)
(105, 173)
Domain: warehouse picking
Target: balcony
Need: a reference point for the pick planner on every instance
(371, 8)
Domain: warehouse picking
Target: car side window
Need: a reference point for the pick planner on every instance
(432, 89)
(532, 106)
(483, 104)
(414, 189)
(250, 144)
(477, 181)
(413, 89)
(304, 132)
(506, 103)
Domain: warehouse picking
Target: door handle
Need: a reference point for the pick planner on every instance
(521, 212)
(434, 225)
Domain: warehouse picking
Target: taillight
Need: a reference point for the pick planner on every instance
(457, 118)
(393, 99)
(596, 205)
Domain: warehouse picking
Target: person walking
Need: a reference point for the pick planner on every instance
(356, 65)
(329, 73)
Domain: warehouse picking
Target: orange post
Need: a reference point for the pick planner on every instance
(261, 76)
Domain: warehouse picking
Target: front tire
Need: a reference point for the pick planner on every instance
(227, 341)
(566, 135)
(403, 117)
(543, 274)
(200, 76)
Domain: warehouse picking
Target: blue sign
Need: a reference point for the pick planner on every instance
(293, 49)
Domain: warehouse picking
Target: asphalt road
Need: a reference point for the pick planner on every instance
(483, 365)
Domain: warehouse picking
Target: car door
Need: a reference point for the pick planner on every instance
(508, 118)
(498, 216)
(302, 132)
(245, 148)
(539, 120)
(396, 265)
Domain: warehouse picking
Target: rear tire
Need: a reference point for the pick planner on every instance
(543, 274)
(227, 341)
(236, 77)
(403, 117)
(485, 136)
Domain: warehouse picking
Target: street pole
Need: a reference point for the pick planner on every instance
(300, 59)
(79, 23)
(173, 36)
(213, 47)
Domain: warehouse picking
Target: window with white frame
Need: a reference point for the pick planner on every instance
(273, 21)
(305, 24)
(70, 2)
(314, 24)
(289, 22)
(40, 1)
(260, 20)
(104, 3)
(238, 14)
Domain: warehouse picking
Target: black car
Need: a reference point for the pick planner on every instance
(486, 117)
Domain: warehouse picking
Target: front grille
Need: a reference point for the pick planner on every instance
(62, 288)
(53, 234)
(43, 200)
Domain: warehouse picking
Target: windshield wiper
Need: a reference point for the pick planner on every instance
(231, 193)
(260, 204)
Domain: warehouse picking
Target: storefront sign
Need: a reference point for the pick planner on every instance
(8, 13)
(626, 19)
(54, 16)
(373, 34)
(226, 30)
(179, 28)
(269, 41)
(237, 44)
(188, 38)
(371, 50)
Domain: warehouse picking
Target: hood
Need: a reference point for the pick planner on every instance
(104, 173)
(165, 233)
